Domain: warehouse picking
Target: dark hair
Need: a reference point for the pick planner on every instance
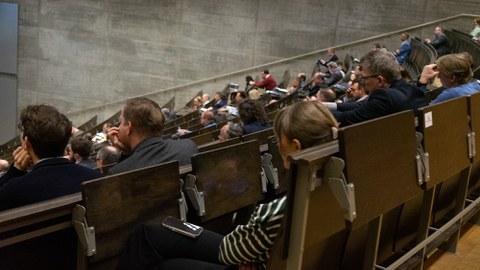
(266, 71)
(46, 128)
(249, 78)
(108, 154)
(251, 111)
(145, 115)
(82, 147)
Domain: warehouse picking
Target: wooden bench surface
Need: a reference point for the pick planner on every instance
(117, 204)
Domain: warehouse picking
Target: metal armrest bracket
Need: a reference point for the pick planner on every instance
(344, 192)
(270, 171)
(196, 197)
(86, 234)
(422, 159)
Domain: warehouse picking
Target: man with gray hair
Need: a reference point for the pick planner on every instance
(336, 74)
(107, 156)
(388, 92)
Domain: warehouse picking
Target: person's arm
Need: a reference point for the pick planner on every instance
(379, 104)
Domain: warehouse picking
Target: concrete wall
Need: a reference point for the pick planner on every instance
(86, 57)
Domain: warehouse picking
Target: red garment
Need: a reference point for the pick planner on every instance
(268, 83)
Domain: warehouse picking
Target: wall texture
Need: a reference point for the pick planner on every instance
(81, 55)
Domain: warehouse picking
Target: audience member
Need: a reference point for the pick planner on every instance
(197, 103)
(355, 97)
(317, 83)
(326, 95)
(229, 131)
(403, 52)
(388, 93)
(220, 101)
(475, 33)
(254, 94)
(207, 119)
(107, 156)
(205, 99)
(331, 57)
(152, 246)
(335, 76)
(440, 42)
(169, 116)
(139, 137)
(45, 133)
(248, 83)
(102, 136)
(81, 149)
(252, 116)
(268, 82)
(455, 73)
(3, 166)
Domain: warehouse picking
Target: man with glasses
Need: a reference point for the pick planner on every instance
(388, 92)
(45, 134)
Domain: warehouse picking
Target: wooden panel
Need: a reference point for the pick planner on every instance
(117, 204)
(218, 144)
(261, 136)
(229, 178)
(445, 138)
(474, 112)
(380, 161)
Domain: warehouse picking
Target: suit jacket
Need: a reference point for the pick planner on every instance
(399, 97)
(405, 50)
(268, 83)
(155, 150)
(254, 127)
(441, 44)
(50, 178)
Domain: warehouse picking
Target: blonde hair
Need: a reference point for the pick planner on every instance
(458, 65)
(310, 122)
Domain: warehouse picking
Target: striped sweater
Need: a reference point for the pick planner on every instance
(252, 242)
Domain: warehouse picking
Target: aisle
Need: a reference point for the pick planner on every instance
(468, 253)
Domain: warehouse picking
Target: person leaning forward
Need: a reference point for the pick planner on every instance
(139, 137)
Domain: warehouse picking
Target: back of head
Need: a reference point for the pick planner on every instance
(208, 115)
(234, 130)
(108, 154)
(251, 111)
(3, 165)
(82, 147)
(266, 71)
(311, 123)
(382, 63)
(328, 95)
(332, 65)
(458, 65)
(145, 115)
(46, 128)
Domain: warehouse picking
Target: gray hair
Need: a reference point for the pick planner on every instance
(382, 63)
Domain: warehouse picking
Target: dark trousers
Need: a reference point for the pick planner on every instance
(157, 248)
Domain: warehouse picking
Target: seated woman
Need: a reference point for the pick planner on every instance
(152, 246)
(455, 73)
(252, 116)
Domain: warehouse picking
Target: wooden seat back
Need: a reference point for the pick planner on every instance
(261, 136)
(42, 230)
(116, 205)
(229, 180)
(474, 113)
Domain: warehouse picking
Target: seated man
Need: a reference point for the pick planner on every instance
(81, 149)
(139, 137)
(207, 119)
(3, 166)
(388, 92)
(229, 131)
(268, 82)
(107, 155)
(45, 134)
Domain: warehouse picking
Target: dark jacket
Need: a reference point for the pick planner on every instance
(254, 127)
(155, 150)
(399, 97)
(50, 178)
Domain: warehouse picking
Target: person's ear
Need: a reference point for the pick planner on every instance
(130, 127)
(298, 145)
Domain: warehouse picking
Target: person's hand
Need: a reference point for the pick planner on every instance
(247, 266)
(397, 51)
(251, 82)
(427, 40)
(22, 159)
(182, 131)
(112, 135)
(428, 72)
